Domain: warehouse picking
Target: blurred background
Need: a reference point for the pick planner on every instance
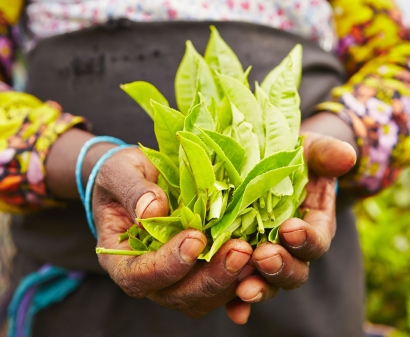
(384, 229)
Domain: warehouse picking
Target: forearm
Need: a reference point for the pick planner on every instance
(61, 162)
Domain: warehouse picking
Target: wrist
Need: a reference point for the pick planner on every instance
(92, 156)
(62, 159)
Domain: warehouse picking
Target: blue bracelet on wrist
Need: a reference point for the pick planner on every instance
(81, 157)
(90, 184)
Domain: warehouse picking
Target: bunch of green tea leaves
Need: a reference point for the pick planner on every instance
(230, 161)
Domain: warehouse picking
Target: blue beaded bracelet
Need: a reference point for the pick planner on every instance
(81, 157)
(90, 184)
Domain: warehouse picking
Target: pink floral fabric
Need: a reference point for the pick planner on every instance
(309, 18)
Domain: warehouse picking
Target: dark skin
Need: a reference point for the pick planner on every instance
(237, 275)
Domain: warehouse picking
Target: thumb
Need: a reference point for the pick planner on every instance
(327, 156)
(152, 203)
(129, 178)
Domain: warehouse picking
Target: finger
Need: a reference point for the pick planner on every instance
(279, 267)
(255, 289)
(310, 238)
(238, 311)
(327, 156)
(148, 273)
(210, 284)
(129, 178)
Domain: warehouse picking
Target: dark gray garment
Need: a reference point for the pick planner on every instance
(82, 71)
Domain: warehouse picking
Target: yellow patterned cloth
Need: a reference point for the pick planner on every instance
(28, 128)
(375, 48)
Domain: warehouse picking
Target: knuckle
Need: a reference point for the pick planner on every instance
(131, 288)
(127, 280)
(175, 303)
(320, 247)
(298, 282)
(180, 303)
(286, 277)
(167, 272)
(211, 286)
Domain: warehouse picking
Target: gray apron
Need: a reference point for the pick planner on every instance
(82, 71)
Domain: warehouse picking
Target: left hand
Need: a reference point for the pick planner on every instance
(286, 265)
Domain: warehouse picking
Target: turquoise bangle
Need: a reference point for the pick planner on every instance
(90, 184)
(81, 157)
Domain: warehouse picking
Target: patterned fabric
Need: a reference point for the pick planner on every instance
(36, 291)
(375, 47)
(9, 14)
(28, 127)
(309, 18)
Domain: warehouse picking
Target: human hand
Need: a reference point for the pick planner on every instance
(286, 265)
(172, 277)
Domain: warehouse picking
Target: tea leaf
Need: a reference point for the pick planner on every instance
(229, 151)
(221, 59)
(283, 94)
(245, 102)
(218, 243)
(187, 184)
(243, 134)
(283, 188)
(163, 229)
(278, 160)
(136, 244)
(167, 122)
(143, 93)
(186, 216)
(277, 132)
(200, 165)
(296, 56)
(193, 73)
(252, 190)
(199, 116)
(164, 165)
(223, 114)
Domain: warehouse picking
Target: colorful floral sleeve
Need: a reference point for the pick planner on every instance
(9, 14)
(375, 48)
(28, 128)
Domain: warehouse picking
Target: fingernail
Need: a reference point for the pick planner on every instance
(296, 238)
(235, 261)
(143, 203)
(255, 299)
(190, 249)
(246, 271)
(271, 265)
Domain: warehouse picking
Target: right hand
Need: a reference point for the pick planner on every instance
(124, 189)
(172, 277)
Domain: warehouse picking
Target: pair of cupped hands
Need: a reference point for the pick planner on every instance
(237, 275)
